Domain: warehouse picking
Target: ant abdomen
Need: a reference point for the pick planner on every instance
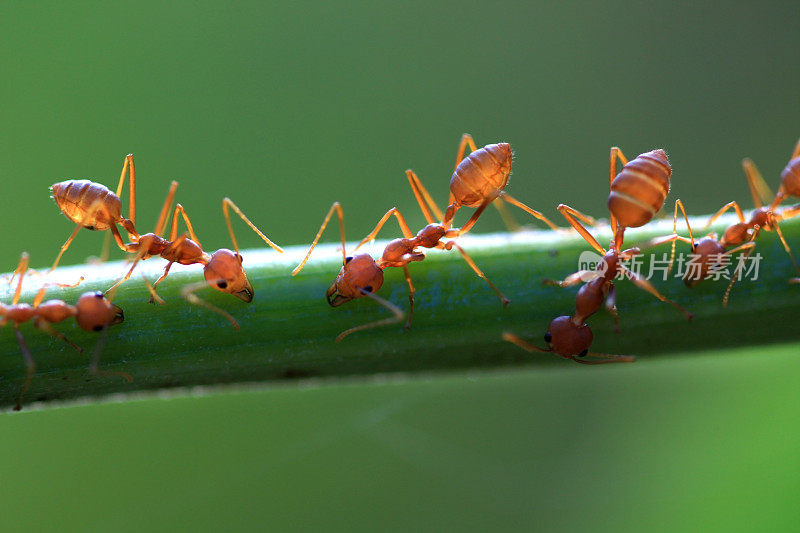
(481, 174)
(640, 188)
(790, 177)
(90, 204)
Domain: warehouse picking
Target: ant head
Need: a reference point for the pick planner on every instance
(359, 273)
(566, 338)
(224, 272)
(707, 253)
(94, 312)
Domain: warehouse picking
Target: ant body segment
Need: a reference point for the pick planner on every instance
(92, 312)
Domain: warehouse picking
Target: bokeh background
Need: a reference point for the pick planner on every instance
(286, 107)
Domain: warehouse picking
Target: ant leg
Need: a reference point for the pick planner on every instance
(730, 205)
(522, 343)
(789, 212)
(570, 214)
(228, 202)
(616, 153)
(605, 358)
(505, 301)
(140, 254)
(759, 189)
(335, 207)
(400, 220)
(411, 291)
(508, 219)
(611, 306)
(424, 199)
(457, 232)
(674, 238)
(188, 292)
(95, 362)
(647, 286)
(30, 365)
(572, 279)
(786, 246)
(42, 325)
(398, 316)
(466, 139)
(161, 223)
(154, 297)
(537, 214)
(126, 166)
(749, 246)
(22, 267)
(173, 231)
(796, 151)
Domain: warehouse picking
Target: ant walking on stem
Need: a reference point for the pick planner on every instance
(93, 206)
(93, 312)
(361, 275)
(636, 194)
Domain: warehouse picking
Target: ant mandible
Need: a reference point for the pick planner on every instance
(361, 275)
(636, 194)
(93, 312)
(479, 177)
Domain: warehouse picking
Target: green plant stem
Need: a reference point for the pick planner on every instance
(288, 331)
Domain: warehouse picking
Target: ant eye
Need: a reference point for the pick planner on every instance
(222, 284)
(584, 353)
(98, 328)
(348, 259)
(239, 257)
(548, 337)
(368, 288)
(98, 294)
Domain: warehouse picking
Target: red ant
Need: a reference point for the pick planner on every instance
(361, 275)
(92, 312)
(93, 206)
(637, 193)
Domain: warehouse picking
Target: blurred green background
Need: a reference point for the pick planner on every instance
(287, 107)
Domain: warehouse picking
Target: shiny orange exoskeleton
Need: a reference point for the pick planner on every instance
(479, 177)
(361, 275)
(93, 206)
(92, 312)
(636, 194)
